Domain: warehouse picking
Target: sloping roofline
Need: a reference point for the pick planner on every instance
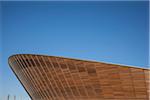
(108, 63)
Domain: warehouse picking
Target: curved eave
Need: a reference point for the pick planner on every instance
(76, 59)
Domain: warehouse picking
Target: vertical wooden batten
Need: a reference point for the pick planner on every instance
(59, 78)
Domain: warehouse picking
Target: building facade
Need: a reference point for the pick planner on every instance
(59, 78)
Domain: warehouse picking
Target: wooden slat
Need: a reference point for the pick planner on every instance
(58, 78)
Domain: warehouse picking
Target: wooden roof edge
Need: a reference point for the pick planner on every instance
(109, 63)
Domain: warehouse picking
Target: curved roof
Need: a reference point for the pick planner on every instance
(77, 59)
(60, 78)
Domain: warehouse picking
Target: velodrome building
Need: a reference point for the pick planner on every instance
(58, 78)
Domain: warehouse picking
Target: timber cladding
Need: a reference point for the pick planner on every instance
(59, 78)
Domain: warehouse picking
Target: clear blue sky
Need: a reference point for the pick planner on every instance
(115, 32)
